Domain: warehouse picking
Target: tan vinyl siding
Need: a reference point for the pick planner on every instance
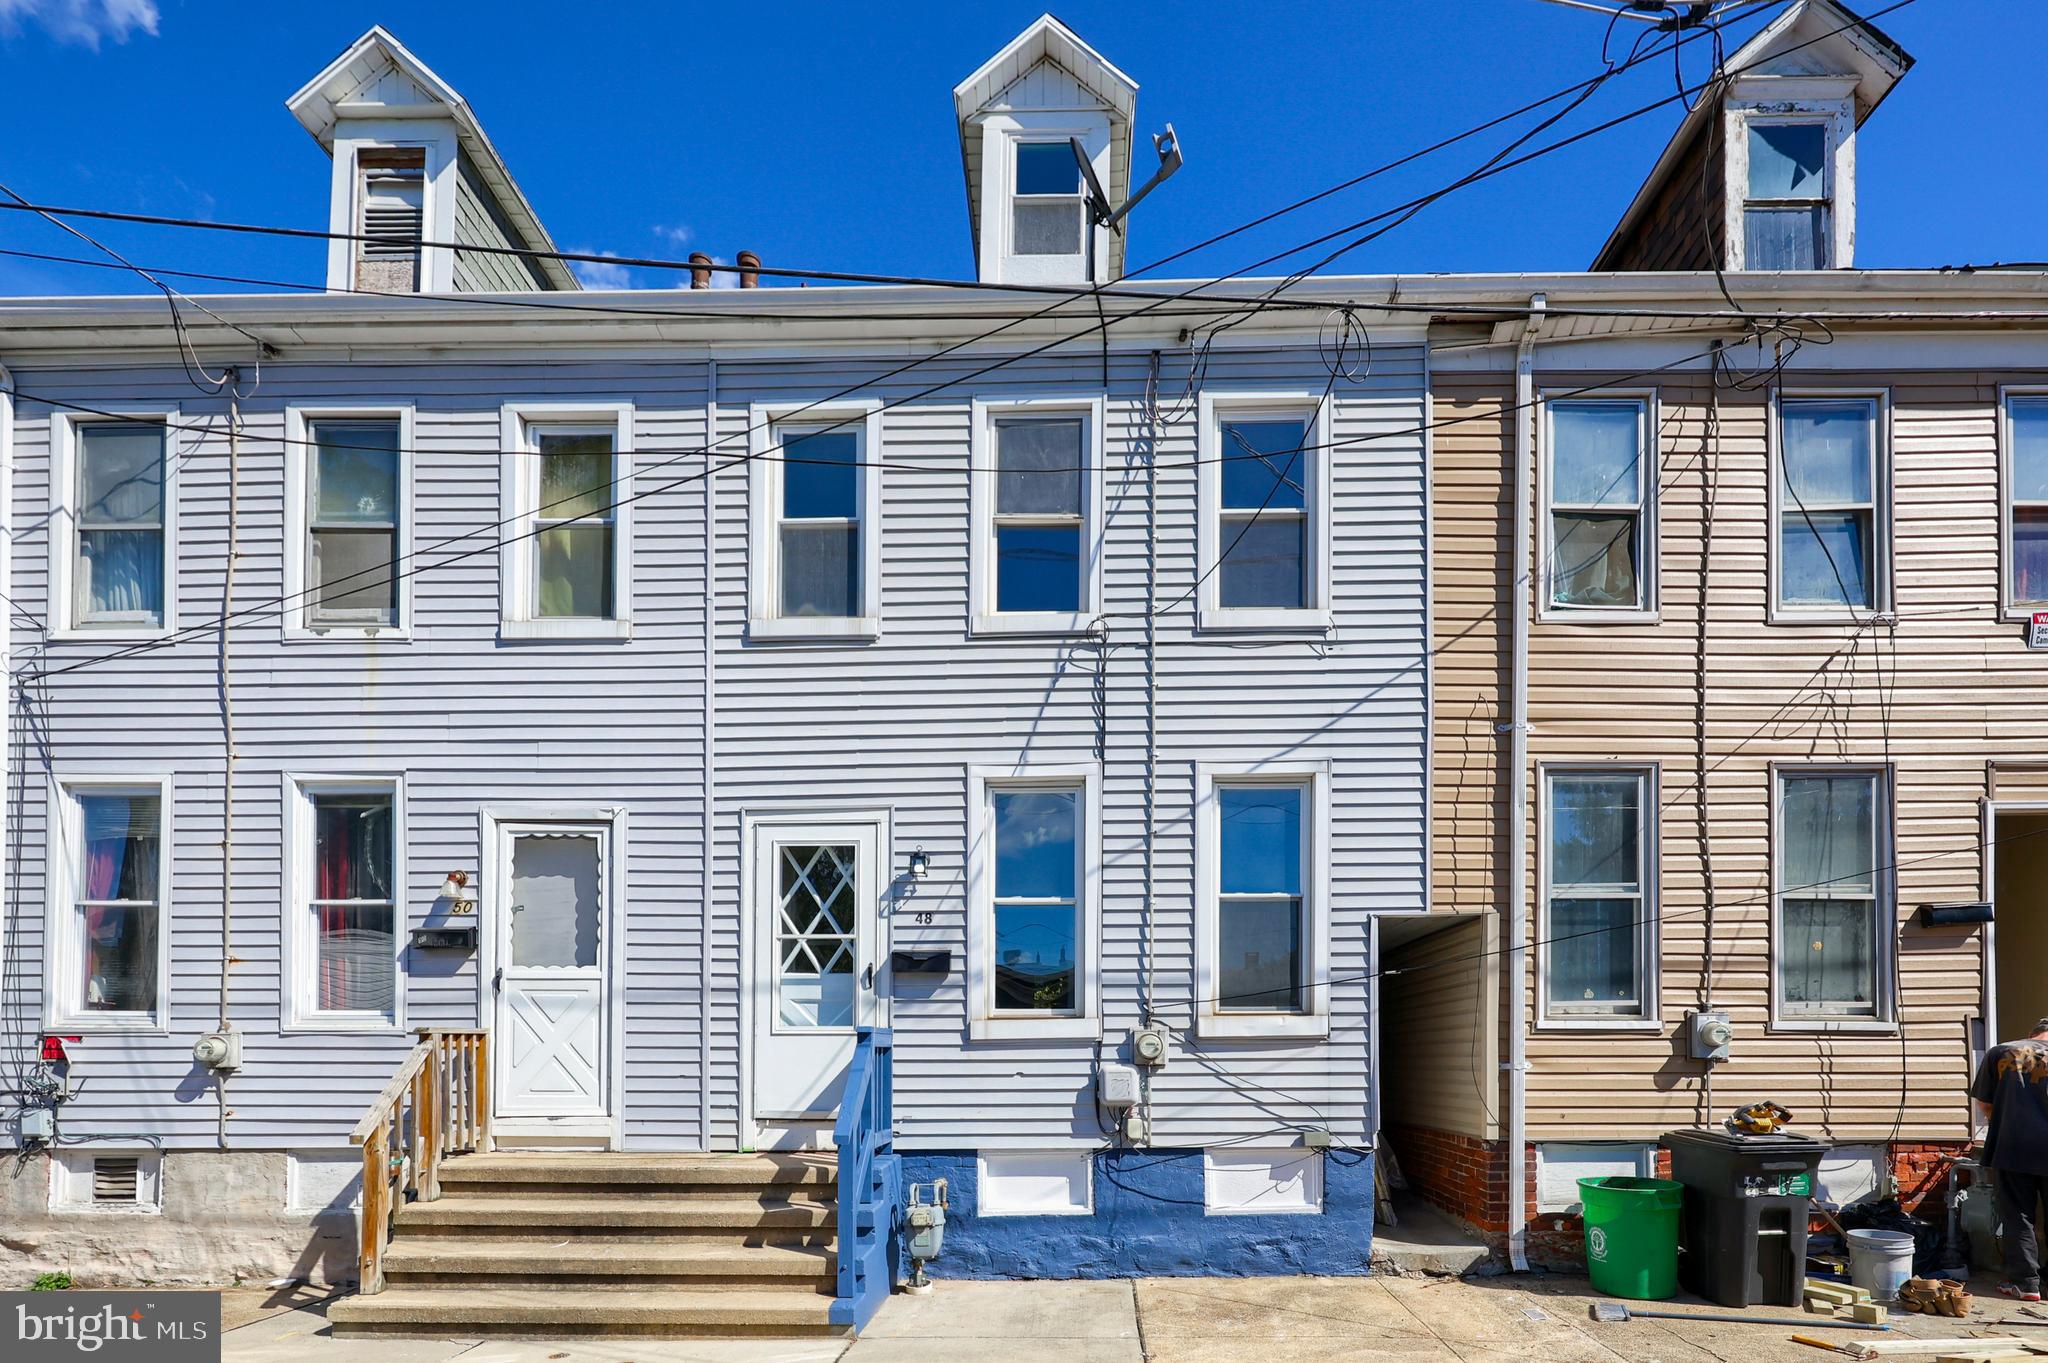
(1442, 1070)
(1937, 696)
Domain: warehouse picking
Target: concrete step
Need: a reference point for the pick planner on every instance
(596, 1216)
(606, 1263)
(594, 1171)
(472, 1312)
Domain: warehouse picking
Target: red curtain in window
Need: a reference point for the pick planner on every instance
(334, 838)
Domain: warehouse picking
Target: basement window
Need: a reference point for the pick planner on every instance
(107, 1181)
(391, 185)
(1282, 1182)
(1560, 1166)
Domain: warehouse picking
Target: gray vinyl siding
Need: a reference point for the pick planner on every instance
(898, 722)
(478, 222)
(471, 723)
(894, 724)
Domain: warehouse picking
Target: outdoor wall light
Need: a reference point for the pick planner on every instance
(455, 889)
(920, 865)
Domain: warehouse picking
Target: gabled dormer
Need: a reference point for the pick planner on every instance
(1026, 195)
(1762, 172)
(411, 166)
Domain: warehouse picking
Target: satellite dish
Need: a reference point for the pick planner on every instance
(1165, 145)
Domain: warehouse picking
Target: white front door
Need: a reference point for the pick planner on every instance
(554, 924)
(816, 890)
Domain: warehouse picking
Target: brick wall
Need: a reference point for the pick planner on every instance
(1921, 1168)
(1459, 1173)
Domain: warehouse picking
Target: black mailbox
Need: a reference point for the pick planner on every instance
(444, 939)
(921, 962)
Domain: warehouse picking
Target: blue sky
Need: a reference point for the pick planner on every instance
(821, 135)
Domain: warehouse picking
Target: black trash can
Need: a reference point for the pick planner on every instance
(1742, 1234)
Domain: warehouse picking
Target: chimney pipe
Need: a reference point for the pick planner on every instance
(700, 270)
(750, 270)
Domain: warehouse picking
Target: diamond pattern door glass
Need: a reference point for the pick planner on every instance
(815, 942)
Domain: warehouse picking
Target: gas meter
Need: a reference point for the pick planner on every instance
(925, 1218)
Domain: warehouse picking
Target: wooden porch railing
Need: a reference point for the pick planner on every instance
(438, 1103)
(870, 1179)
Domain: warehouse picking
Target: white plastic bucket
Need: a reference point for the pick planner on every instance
(1880, 1261)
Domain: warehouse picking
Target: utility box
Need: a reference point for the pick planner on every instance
(1710, 1035)
(1117, 1084)
(1742, 1234)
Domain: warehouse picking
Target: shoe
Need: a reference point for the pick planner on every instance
(2018, 1293)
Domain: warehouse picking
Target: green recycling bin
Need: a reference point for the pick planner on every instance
(1632, 1235)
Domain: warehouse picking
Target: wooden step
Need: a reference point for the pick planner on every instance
(471, 1312)
(559, 1214)
(606, 1263)
(595, 1171)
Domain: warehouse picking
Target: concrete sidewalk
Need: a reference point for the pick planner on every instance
(1382, 1319)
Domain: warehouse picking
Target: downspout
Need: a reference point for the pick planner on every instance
(710, 815)
(227, 731)
(1518, 789)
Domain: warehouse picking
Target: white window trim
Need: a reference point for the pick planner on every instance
(298, 939)
(983, 1023)
(1885, 1019)
(520, 493)
(1880, 608)
(764, 497)
(62, 1010)
(1643, 1155)
(1314, 1019)
(1000, 134)
(63, 536)
(298, 483)
(1648, 540)
(1214, 408)
(1827, 100)
(981, 569)
(1650, 1016)
(2009, 607)
(437, 207)
(71, 1178)
(1283, 1157)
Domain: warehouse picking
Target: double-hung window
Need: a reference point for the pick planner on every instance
(119, 564)
(1828, 491)
(1046, 210)
(1832, 894)
(568, 565)
(347, 902)
(1602, 542)
(814, 559)
(347, 486)
(1264, 536)
(1261, 920)
(1785, 213)
(109, 905)
(1033, 891)
(1599, 934)
(1037, 507)
(2026, 491)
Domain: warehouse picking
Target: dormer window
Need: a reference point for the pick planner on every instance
(1785, 214)
(390, 217)
(1046, 215)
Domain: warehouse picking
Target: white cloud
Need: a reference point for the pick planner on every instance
(594, 274)
(81, 21)
(678, 233)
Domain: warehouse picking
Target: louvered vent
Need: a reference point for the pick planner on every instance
(391, 191)
(115, 1178)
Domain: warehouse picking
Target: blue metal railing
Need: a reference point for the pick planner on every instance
(870, 1177)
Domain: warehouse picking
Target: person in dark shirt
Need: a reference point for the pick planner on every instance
(2012, 1100)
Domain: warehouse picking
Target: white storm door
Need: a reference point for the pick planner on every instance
(552, 1037)
(816, 888)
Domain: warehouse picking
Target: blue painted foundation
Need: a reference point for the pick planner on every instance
(1149, 1222)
